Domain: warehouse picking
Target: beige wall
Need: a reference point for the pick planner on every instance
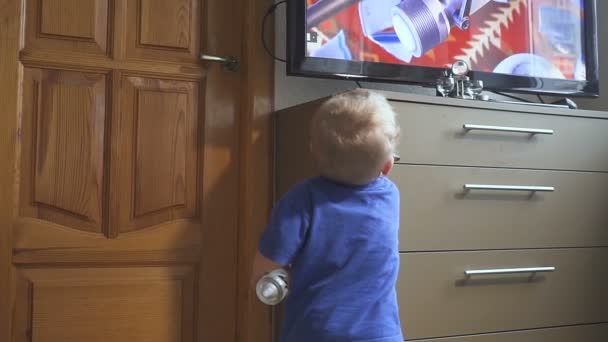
(290, 91)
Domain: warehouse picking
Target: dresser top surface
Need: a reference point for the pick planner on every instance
(493, 105)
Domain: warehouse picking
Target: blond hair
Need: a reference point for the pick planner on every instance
(353, 135)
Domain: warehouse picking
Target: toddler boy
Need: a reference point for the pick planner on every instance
(338, 233)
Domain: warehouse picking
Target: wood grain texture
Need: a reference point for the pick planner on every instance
(257, 179)
(155, 153)
(68, 18)
(152, 304)
(176, 17)
(162, 30)
(69, 26)
(221, 193)
(161, 146)
(62, 149)
(173, 167)
(10, 11)
(36, 242)
(187, 72)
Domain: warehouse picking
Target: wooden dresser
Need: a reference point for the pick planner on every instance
(514, 195)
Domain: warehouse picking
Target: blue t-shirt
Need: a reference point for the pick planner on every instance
(342, 244)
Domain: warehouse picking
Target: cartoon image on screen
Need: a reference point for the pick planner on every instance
(537, 38)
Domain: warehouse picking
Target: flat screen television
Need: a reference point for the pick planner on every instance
(530, 46)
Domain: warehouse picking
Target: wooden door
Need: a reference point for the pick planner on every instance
(120, 188)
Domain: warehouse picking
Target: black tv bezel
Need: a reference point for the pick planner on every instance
(298, 64)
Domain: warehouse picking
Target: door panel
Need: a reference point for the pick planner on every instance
(165, 30)
(137, 304)
(70, 26)
(177, 14)
(156, 150)
(63, 133)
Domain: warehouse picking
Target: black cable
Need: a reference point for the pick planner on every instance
(358, 84)
(540, 98)
(511, 96)
(269, 12)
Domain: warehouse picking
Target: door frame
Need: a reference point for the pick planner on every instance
(256, 189)
(252, 321)
(10, 13)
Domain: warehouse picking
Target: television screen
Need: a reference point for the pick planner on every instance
(544, 46)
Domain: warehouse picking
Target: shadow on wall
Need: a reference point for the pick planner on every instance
(290, 91)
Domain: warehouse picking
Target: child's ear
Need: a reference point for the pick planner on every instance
(388, 166)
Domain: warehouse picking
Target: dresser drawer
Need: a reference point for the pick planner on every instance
(437, 299)
(437, 213)
(585, 333)
(434, 134)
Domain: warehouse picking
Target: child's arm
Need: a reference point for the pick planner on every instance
(284, 234)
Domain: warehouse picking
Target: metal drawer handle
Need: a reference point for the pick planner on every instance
(468, 187)
(469, 127)
(469, 273)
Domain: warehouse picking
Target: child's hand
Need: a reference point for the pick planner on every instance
(262, 266)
